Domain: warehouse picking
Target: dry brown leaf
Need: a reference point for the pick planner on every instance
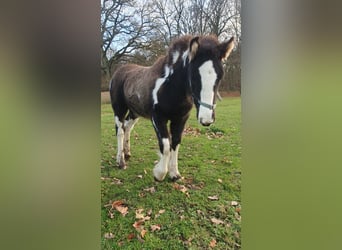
(213, 198)
(181, 188)
(122, 210)
(151, 190)
(117, 203)
(234, 203)
(131, 236)
(111, 215)
(109, 236)
(212, 243)
(138, 224)
(143, 232)
(155, 228)
(216, 221)
(139, 214)
(146, 218)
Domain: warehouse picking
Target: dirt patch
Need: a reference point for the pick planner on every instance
(105, 98)
(230, 94)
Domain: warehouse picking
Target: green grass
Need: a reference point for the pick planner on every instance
(209, 161)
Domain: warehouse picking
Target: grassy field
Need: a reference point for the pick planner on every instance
(200, 211)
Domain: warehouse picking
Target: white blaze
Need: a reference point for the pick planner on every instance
(208, 79)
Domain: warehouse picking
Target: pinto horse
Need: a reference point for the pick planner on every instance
(165, 92)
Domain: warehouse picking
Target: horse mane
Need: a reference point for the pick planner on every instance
(178, 47)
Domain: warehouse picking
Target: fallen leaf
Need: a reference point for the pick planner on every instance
(155, 228)
(161, 211)
(212, 243)
(151, 190)
(238, 209)
(109, 236)
(219, 180)
(117, 203)
(131, 236)
(213, 198)
(122, 210)
(145, 171)
(216, 221)
(146, 218)
(139, 176)
(234, 203)
(181, 188)
(139, 214)
(138, 224)
(143, 232)
(116, 181)
(149, 212)
(111, 215)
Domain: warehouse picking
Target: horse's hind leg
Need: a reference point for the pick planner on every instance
(130, 121)
(119, 125)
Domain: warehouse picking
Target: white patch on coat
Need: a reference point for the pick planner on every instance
(159, 83)
(184, 56)
(120, 136)
(175, 56)
(173, 165)
(160, 170)
(129, 125)
(208, 79)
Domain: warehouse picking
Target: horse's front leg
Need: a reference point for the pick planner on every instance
(177, 127)
(161, 168)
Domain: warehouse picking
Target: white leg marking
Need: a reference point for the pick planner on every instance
(208, 79)
(120, 136)
(129, 125)
(173, 165)
(159, 83)
(160, 170)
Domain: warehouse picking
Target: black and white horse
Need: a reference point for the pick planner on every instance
(165, 92)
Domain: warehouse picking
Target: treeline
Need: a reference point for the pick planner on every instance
(139, 31)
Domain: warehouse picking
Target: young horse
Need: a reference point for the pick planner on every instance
(189, 73)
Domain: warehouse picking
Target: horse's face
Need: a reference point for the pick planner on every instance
(205, 74)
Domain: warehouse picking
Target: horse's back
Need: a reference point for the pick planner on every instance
(132, 86)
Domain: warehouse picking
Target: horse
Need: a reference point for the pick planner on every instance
(165, 92)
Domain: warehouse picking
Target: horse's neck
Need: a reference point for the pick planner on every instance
(181, 80)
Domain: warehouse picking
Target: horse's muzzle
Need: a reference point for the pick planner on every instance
(205, 122)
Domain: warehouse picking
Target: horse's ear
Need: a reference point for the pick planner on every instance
(226, 48)
(194, 44)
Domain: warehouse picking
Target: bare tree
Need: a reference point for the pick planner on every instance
(124, 28)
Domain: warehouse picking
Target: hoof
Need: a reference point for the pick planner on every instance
(122, 166)
(157, 179)
(175, 178)
(127, 156)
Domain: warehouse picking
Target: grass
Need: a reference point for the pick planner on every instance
(200, 211)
